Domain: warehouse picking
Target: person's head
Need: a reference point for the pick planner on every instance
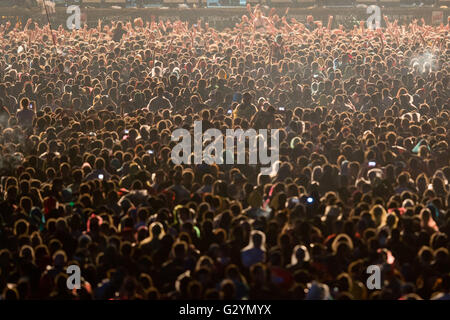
(299, 254)
(227, 289)
(24, 103)
(258, 239)
(180, 250)
(247, 98)
(99, 163)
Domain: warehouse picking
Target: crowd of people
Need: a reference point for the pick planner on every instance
(87, 177)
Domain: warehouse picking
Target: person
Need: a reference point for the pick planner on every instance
(159, 102)
(4, 114)
(9, 101)
(259, 21)
(118, 32)
(26, 114)
(255, 251)
(180, 191)
(310, 23)
(246, 109)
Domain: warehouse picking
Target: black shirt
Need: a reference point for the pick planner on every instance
(118, 34)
